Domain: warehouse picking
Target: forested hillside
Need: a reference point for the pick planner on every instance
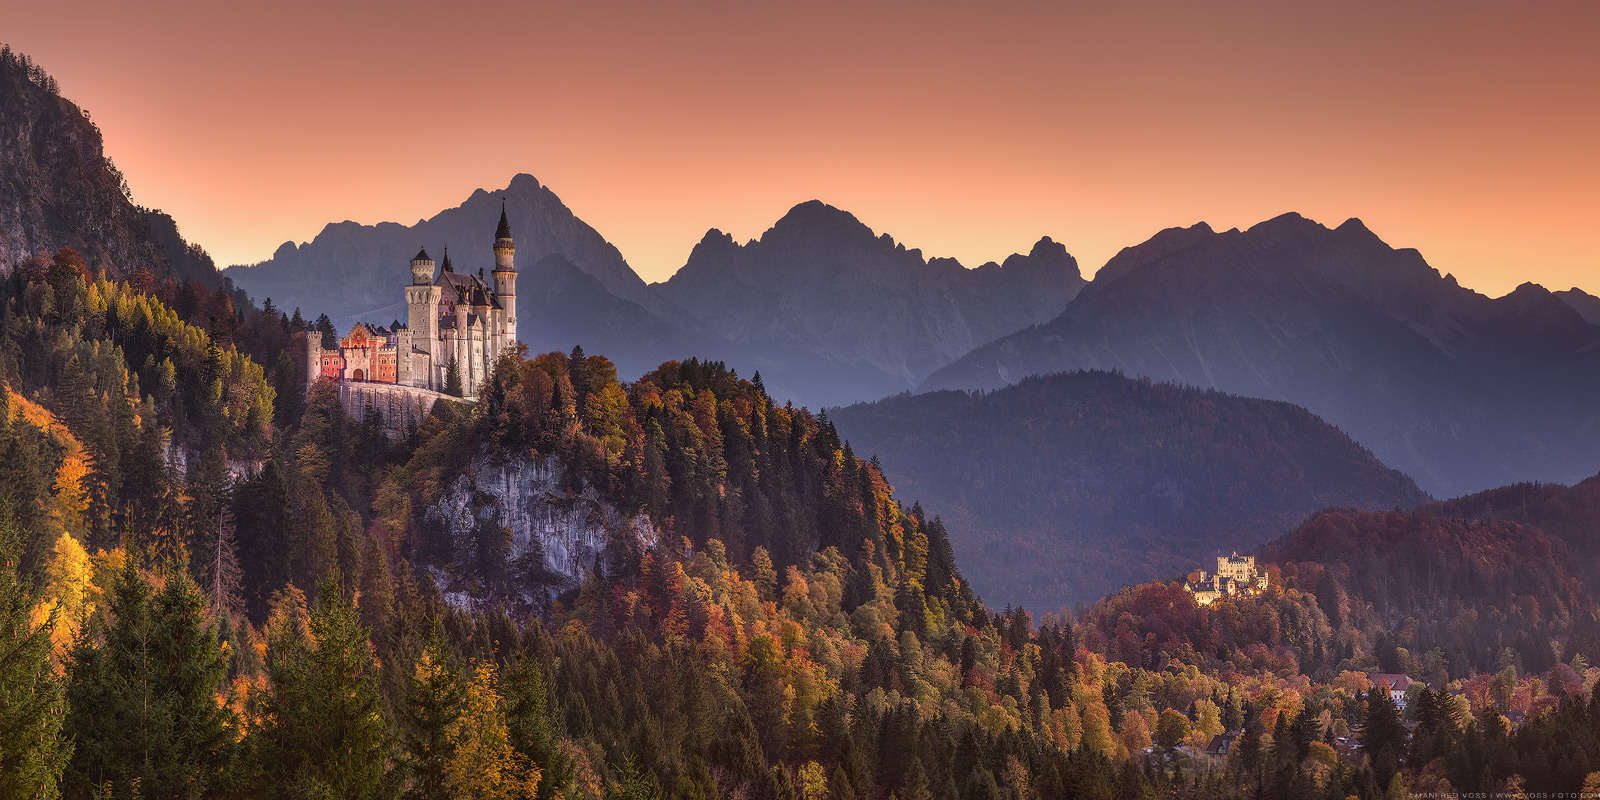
(1062, 488)
(815, 638)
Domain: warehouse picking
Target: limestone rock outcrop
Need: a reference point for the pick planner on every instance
(553, 535)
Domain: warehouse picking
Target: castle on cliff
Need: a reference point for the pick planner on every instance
(457, 325)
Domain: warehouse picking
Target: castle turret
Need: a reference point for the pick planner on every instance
(505, 283)
(421, 268)
(422, 304)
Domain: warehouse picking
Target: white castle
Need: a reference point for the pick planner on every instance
(454, 321)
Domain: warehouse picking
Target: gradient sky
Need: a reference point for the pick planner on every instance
(1468, 130)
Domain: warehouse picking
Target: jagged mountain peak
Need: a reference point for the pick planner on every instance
(815, 221)
(1460, 391)
(1163, 243)
(350, 268)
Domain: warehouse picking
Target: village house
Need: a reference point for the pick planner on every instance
(1397, 685)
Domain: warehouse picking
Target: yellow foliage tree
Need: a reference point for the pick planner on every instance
(485, 766)
(68, 581)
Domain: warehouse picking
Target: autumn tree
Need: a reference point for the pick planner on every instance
(32, 698)
(483, 765)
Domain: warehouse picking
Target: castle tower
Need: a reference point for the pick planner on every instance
(422, 304)
(505, 285)
(458, 347)
(421, 269)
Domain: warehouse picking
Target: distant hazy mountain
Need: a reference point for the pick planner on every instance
(825, 309)
(821, 282)
(1460, 391)
(1586, 304)
(1063, 488)
(351, 270)
(57, 188)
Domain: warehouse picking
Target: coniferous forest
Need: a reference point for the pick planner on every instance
(217, 582)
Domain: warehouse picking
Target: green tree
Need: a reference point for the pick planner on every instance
(32, 697)
(1171, 728)
(452, 378)
(535, 729)
(1382, 736)
(323, 732)
(142, 693)
(264, 518)
(433, 702)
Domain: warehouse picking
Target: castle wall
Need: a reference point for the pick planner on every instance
(400, 406)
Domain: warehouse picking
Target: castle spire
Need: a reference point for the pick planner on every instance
(446, 266)
(504, 231)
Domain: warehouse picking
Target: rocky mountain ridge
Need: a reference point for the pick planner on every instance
(58, 188)
(827, 310)
(1460, 391)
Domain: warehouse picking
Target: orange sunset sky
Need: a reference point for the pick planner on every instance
(1468, 130)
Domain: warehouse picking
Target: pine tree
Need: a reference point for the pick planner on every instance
(222, 573)
(142, 693)
(433, 702)
(1382, 736)
(32, 698)
(323, 732)
(262, 509)
(452, 378)
(535, 728)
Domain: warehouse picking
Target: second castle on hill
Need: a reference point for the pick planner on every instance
(455, 323)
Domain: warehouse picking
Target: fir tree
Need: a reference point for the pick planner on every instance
(32, 697)
(223, 576)
(535, 728)
(142, 693)
(1382, 736)
(323, 732)
(452, 378)
(262, 508)
(433, 702)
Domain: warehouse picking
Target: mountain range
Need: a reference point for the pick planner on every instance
(1063, 488)
(828, 310)
(1460, 391)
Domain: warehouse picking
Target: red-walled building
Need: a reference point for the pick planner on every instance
(367, 353)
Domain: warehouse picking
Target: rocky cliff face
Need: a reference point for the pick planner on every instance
(552, 535)
(1460, 391)
(57, 188)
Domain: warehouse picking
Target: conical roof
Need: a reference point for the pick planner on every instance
(504, 231)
